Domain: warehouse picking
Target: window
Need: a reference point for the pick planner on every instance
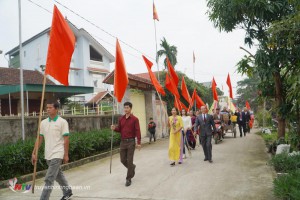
(95, 55)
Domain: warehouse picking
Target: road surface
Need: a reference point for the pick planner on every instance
(239, 171)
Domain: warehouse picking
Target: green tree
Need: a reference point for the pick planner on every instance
(204, 92)
(247, 89)
(256, 17)
(169, 51)
(284, 35)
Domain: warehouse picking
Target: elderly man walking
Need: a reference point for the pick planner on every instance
(205, 123)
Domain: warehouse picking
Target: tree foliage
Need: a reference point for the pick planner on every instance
(169, 51)
(274, 60)
(204, 92)
(247, 89)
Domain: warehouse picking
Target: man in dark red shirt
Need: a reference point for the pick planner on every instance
(129, 128)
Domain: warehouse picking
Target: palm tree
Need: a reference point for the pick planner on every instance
(169, 51)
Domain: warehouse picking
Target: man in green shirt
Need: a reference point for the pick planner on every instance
(55, 131)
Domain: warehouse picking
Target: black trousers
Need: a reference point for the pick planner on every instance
(242, 127)
(152, 135)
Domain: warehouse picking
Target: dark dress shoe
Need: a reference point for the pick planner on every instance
(172, 164)
(128, 183)
(210, 161)
(205, 159)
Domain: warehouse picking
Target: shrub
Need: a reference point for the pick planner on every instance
(260, 115)
(15, 159)
(285, 163)
(287, 186)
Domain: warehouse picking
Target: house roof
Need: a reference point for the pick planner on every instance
(98, 97)
(146, 75)
(134, 81)
(11, 76)
(16, 49)
(61, 90)
(97, 70)
(206, 84)
(77, 32)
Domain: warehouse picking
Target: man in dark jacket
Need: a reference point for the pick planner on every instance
(205, 123)
(151, 129)
(242, 118)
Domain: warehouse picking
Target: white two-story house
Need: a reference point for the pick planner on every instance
(89, 65)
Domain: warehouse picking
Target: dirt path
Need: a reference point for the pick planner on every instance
(239, 171)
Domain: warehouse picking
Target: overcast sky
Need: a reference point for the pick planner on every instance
(185, 24)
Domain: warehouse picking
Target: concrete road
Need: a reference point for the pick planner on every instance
(239, 171)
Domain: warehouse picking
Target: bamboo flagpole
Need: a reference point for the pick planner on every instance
(57, 66)
(38, 132)
(155, 17)
(120, 84)
(112, 135)
(194, 59)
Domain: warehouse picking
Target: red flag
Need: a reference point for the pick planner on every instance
(172, 72)
(177, 104)
(154, 81)
(155, 15)
(170, 85)
(184, 90)
(183, 106)
(199, 101)
(61, 48)
(121, 77)
(230, 87)
(234, 105)
(214, 90)
(248, 105)
(194, 58)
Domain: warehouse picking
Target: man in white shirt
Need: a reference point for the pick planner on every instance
(55, 131)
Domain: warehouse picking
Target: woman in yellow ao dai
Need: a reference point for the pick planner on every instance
(175, 125)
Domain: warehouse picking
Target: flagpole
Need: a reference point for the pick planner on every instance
(158, 77)
(195, 103)
(194, 66)
(38, 132)
(156, 56)
(112, 135)
(21, 74)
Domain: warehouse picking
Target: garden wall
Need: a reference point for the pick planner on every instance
(10, 127)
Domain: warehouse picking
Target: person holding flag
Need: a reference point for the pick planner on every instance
(129, 128)
(128, 125)
(55, 130)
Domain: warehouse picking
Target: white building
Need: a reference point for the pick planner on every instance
(89, 65)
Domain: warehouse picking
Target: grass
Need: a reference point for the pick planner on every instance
(287, 186)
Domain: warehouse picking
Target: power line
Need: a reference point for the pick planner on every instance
(103, 30)
(98, 27)
(38, 5)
